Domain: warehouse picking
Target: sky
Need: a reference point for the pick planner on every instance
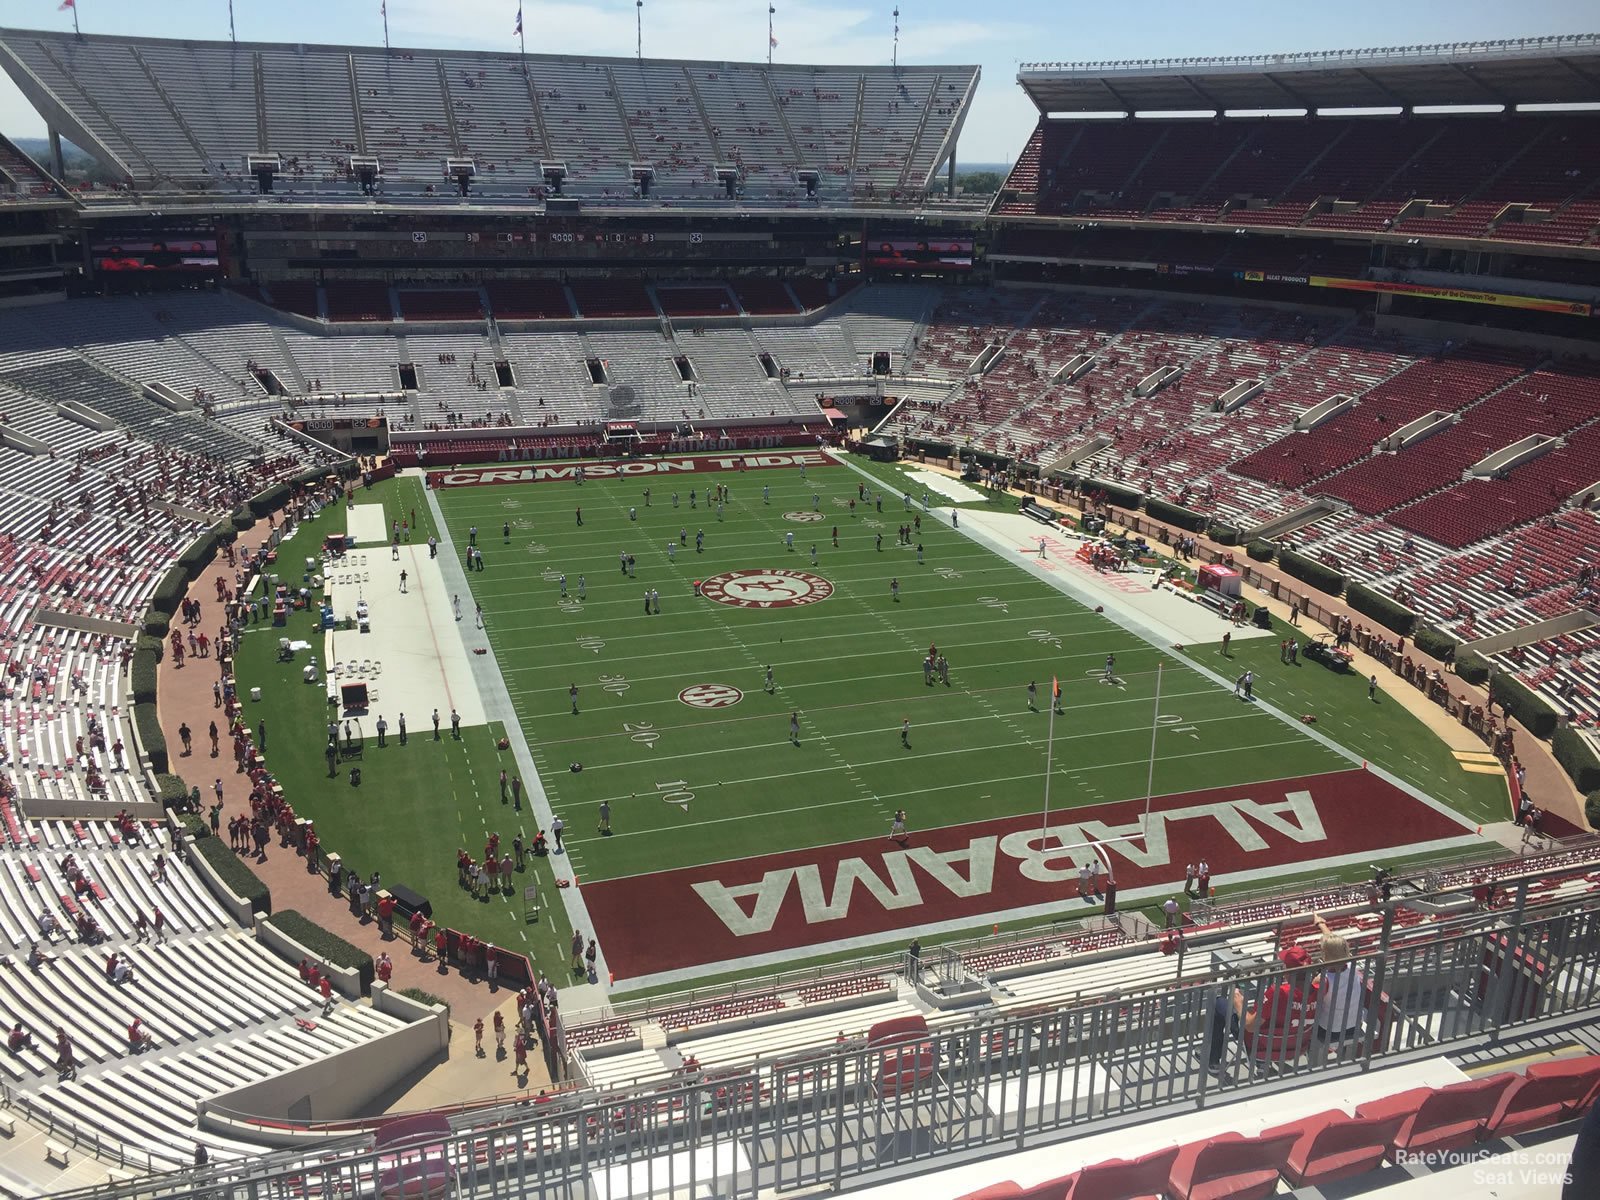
(832, 31)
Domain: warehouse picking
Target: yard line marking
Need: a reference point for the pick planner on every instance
(890, 796)
(881, 730)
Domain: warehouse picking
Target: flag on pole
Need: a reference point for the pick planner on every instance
(774, 41)
(383, 9)
(518, 29)
(66, 4)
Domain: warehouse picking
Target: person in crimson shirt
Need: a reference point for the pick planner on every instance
(386, 915)
(384, 967)
(1272, 1027)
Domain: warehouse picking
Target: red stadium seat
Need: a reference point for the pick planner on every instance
(1124, 1179)
(1549, 1092)
(907, 1057)
(1446, 1118)
(1230, 1167)
(1331, 1146)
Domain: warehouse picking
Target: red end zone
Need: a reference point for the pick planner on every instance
(723, 912)
(671, 464)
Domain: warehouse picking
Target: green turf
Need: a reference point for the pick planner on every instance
(692, 786)
(849, 665)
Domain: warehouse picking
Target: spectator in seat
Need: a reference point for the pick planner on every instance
(1281, 1007)
(19, 1039)
(1341, 995)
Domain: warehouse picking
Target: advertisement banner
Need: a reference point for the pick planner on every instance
(1462, 295)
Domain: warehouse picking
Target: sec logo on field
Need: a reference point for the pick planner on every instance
(766, 589)
(802, 517)
(710, 695)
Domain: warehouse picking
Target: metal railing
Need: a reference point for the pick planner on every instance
(1372, 56)
(995, 1083)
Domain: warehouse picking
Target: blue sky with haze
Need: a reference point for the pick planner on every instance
(832, 31)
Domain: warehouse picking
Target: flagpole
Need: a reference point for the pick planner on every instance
(522, 40)
(1155, 725)
(1049, 758)
(76, 32)
(638, 18)
(233, 35)
(771, 41)
(894, 59)
(384, 9)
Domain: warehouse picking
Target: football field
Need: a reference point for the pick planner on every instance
(751, 821)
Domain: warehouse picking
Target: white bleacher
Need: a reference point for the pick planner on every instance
(885, 318)
(580, 114)
(819, 352)
(550, 368)
(223, 1010)
(820, 106)
(666, 125)
(310, 123)
(495, 120)
(643, 361)
(732, 380)
(216, 95)
(448, 394)
(748, 128)
(365, 365)
(891, 114)
(403, 114)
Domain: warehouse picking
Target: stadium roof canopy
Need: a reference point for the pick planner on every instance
(324, 121)
(1551, 70)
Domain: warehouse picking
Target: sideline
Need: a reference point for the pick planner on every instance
(497, 706)
(1118, 614)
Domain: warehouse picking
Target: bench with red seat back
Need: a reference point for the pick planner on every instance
(1230, 1166)
(1549, 1092)
(1331, 1146)
(1437, 1120)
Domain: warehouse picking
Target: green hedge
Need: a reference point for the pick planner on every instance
(1309, 570)
(1591, 809)
(1435, 642)
(243, 518)
(1386, 612)
(169, 592)
(1175, 514)
(157, 624)
(1537, 717)
(171, 789)
(1260, 550)
(271, 500)
(1224, 535)
(155, 742)
(198, 827)
(197, 555)
(1473, 667)
(422, 997)
(144, 668)
(1573, 752)
(326, 946)
(236, 876)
